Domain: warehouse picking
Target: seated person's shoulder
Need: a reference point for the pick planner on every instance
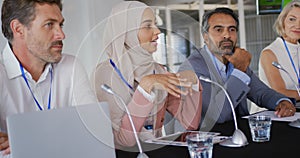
(103, 66)
(68, 58)
(195, 56)
(104, 70)
(69, 62)
(193, 60)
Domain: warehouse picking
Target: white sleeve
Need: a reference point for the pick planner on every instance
(150, 97)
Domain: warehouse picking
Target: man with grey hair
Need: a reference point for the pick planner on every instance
(35, 75)
(221, 61)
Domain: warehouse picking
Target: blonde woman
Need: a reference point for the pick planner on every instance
(285, 50)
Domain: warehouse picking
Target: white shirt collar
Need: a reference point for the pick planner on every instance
(12, 65)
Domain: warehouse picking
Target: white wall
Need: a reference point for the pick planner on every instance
(84, 21)
(84, 24)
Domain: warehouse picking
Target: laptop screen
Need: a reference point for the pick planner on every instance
(76, 131)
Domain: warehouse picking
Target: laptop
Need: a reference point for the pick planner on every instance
(71, 132)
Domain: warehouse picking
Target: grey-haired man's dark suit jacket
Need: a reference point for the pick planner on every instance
(216, 107)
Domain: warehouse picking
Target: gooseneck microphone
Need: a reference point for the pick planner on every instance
(238, 138)
(278, 66)
(295, 123)
(107, 89)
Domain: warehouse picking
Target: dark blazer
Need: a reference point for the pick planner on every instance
(216, 107)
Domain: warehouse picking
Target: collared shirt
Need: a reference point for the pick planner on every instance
(70, 86)
(221, 68)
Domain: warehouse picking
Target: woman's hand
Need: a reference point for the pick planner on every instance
(190, 76)
(175, 84)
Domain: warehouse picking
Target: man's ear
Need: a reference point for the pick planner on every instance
(205, 37)
(17, 28)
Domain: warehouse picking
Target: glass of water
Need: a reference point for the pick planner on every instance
(260, 127)
(200, 144)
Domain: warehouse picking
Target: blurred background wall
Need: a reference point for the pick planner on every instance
(83, 25)
(178, 21)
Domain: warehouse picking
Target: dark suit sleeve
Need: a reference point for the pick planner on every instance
(237, 89)
(261, 94)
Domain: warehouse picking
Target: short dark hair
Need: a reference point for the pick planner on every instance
(222, 10)
(23, 10)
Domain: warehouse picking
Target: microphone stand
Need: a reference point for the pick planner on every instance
(278, 66)
(107, 89)
(295, 123)
(238, 138)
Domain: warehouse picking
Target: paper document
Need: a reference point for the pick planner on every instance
(178, 139)
(275, 118)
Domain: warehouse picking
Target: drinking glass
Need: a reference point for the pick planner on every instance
(200, 144)
(260, 127)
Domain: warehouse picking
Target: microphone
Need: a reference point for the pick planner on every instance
(107, 89)
(295, 123)
(238, 138)
(278, 66)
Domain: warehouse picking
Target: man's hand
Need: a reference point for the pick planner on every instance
(240, 59)
(285, 109)
(4, 145)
